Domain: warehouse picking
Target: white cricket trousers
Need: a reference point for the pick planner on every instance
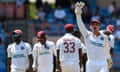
(17, 70)
(97, 66)
(48, 68)
(70, 67)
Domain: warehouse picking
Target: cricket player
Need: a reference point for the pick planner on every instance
(69, 51)
(96, 43)
(109, 32)
(84, 50)
(19, 53)
(43, 52)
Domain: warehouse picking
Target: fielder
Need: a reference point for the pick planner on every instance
(69, 51)
(96, 43)
(19, 53)
(43, 52)
(109, 32)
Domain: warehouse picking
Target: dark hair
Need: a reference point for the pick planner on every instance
(69, 31)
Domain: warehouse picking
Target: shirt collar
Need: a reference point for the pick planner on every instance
(21, 42)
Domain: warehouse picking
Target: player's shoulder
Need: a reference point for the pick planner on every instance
(37, 44)
(88, 33)
(101, 31)
(50, 42)
(10, 45)
(59, 39)
(26, 43)
(111, 36)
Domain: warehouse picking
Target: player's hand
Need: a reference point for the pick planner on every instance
(107, 33)
(58, 70)
(110, 63)
(78, 7)
(34, 69)
(58, 67)
(81, 69)
(27, 70)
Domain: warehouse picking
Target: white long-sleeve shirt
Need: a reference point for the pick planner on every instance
(94, 44)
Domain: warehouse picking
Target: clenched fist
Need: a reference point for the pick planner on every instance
(78, 7)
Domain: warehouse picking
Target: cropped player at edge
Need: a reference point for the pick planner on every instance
(43, 52)
(19, 53)
(109, 32)
(69, 51)
(97, 44)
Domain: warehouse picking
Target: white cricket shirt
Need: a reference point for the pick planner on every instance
(69, 48)
(94, 44)
(43, 56)
(19, 54)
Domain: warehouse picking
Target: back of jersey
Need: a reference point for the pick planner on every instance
(69, 48)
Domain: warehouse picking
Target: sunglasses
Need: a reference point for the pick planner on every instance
(15, 35)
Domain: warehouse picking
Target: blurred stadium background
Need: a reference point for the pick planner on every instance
(51, 15)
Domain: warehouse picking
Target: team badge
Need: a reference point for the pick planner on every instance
(102, 38)
(47, 47)
(22, 48)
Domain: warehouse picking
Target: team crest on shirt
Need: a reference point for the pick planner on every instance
(47, 47)
(102, 38)
(109, 38)
(22, 48)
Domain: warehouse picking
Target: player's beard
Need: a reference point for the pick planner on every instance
(94, 28)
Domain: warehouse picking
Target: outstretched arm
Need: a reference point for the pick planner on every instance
(78, 12)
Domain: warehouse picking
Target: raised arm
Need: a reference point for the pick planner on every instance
(78, 12)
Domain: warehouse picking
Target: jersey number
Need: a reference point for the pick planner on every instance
(69, 47)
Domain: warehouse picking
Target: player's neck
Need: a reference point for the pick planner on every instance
(18, 41)
(96, 33)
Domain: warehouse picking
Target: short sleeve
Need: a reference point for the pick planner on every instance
(112, 40)
(84, 49)
(53, 48)
(79, 43)
(58, 45)
(34, 53)
(9, 54)
(29, 49)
